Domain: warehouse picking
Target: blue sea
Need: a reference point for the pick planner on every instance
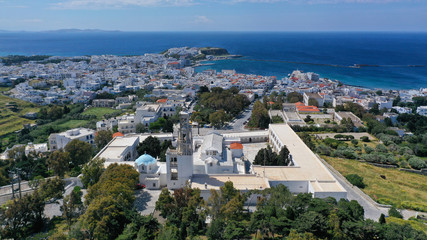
(294, 49)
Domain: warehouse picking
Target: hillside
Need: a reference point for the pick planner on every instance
(214, 51)
(11, 118)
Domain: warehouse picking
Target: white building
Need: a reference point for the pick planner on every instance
(422, 110)
(120, 149)
(308, 173)
(127, 124)
(402, 110)
(60, 140)
(37, 148)
(148, 113)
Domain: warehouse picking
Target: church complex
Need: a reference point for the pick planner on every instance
(207, 162)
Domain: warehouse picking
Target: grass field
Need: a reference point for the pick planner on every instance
(12, 121)
(99, 112)
(398, 186)
(4, 89)
(73, 124)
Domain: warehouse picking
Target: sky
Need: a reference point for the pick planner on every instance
(214, 15)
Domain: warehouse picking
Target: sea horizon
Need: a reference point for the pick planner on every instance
(294, 47)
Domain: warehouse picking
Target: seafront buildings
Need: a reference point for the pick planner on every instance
(79, 79)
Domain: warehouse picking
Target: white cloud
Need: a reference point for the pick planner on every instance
(201, 20)
(101, 4)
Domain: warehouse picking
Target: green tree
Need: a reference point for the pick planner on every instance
(393, 212)
(382, 219)
(109, 202)
(356, 180)
(168, 232)
(151, 145)
(105, 218)
(59, 161)
(283, 158)
(234, 230)
(294, 97)
(417, 163)
(102, 138)
(259, 116)
(51, 189)
(165, 203)
(308, 119)
(140, 128)
(218, 118)
(312, 222)
(22, 217)
(80, 152)
(266, 156)
(141, 227)
(72, 206)
(313, 102)
(92, 171)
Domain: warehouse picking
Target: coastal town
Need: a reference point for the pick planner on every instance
(207, 127)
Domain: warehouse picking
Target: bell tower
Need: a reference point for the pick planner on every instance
(179, 162)
(185, 140)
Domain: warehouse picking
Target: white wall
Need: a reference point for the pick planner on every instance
(293, 186)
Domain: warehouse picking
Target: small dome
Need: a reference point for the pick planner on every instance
(145, 159)
(236, 146)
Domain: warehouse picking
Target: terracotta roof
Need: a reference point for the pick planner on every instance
(307, 109)
(118, 134)
(236, 146)
(162, 100)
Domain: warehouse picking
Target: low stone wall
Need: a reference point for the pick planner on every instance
(422, 171)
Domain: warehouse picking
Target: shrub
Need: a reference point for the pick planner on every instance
(394, 213)
(345, 152)
(404, 164)
(365, 139)
(417, 163)
(354, 142)
(414, 206)
(368, 149)
(384, 201)
(356, 180)
(381, 148)
(324, 150)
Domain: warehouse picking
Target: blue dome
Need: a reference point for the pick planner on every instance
(145, 159)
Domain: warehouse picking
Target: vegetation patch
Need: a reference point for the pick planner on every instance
(100, 112)
(13, 119)
(73, 124)
(417, 224)
(385, 185)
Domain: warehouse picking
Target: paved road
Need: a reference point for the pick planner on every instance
(54, 209)
(145, 201)
(239, 123)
